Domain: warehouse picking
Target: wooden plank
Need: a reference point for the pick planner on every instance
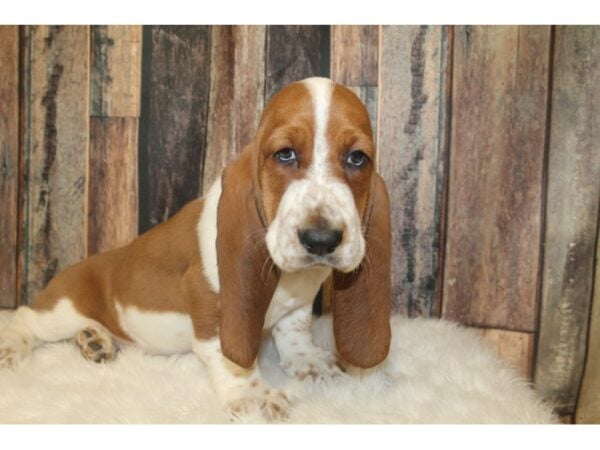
(354, 63)
(588, 406)
(9, 163)
(56, 151)
(113, 183)
(500, 89)
(115, 107)
(514, 347)
(354, 54)
(237, 83)
(571, 216)
(295, 52)
(116, 70)
(175, 86)
(412, 111)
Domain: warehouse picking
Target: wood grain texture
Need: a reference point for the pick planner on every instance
(9, 163)
(295, 52)
(500, 89)
(56, 151)
(588, 406)
(354, 56)
(116, 70)
(354, 63)
(172, 137)
(514, 347)
(411, 130)
(571, 215)
(113, 184)
(236, 94)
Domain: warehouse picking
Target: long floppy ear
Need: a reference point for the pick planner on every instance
(362, 299)
(247, 277)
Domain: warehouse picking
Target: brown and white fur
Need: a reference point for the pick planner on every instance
(229, 266)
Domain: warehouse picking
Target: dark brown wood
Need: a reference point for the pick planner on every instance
(115, 107)
(571, 216)
(175, 86)
(113, 183)
(295, 52)
(116, 70)
(236, 94)
(411, 143)
(56, 151)
(500, 92)
(354, 63)
(9, 163)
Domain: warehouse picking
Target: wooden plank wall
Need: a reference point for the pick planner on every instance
(487, 138)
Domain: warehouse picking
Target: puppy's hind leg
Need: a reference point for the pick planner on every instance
(96, 344)
(30, 327)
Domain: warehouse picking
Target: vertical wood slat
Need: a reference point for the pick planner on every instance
(500, 85)
(412, 117)
(588, 406)
(115, 109)
(172, 137)
(571, 216)
(295, 52)
(9, 163)
(354, 63)
(514, 347)
(56, 151)
(237, 83)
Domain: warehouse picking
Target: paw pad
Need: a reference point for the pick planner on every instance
(96, 345)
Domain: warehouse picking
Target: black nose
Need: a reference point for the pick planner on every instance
(320, 241)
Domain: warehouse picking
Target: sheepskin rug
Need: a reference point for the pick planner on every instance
(437, 372)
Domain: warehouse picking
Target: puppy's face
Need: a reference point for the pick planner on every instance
(315, 160)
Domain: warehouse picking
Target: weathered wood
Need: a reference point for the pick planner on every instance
(113, 183)
(411, 129)
(571, 216)
(116, 70)
(354, 54)
(514, 347)
(237, 83)
(295, 52)
(588, 406)
(500, 89)
(56, 151)
(9, 163)
(354, 63)
(115, 107)
(175, 86)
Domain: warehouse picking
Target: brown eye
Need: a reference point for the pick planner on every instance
(356, 159)
(286, 156)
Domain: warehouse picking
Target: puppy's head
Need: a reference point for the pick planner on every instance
(315, 160)
(308, 179)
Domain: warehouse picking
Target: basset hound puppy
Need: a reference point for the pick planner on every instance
(301, 203)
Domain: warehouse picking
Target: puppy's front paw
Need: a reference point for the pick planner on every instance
(318, 365)
(272, 403)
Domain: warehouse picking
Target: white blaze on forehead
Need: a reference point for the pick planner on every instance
(320, 90)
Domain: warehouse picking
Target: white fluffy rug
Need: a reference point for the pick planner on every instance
(437, 372)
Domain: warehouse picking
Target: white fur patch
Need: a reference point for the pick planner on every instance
(294, 290)
(300, 357)
(207, 235)
(242, 391)
(318, 194)
(157, 332)
(321, 90)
